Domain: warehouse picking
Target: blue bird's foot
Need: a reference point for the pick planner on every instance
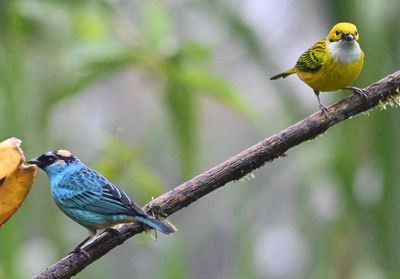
(113, 230)
(78, 249)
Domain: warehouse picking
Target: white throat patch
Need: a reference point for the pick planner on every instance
(344, 52)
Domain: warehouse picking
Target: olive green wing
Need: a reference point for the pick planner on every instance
(313, 58)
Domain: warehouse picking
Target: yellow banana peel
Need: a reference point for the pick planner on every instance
(16, 178)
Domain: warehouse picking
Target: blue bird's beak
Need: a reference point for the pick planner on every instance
(348, 37)
(35, 162)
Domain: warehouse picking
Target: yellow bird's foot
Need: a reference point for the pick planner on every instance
(323, 108)
(358, 91)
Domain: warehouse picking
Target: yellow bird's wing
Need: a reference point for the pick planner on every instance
(313, 58)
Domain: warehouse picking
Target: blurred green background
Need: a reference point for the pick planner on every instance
(151, 93)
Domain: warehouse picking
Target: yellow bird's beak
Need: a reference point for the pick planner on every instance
(348, 37)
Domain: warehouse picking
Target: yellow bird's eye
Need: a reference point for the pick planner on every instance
(356, 33)
(337, 32)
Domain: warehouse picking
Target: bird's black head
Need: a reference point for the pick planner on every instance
(52, 157)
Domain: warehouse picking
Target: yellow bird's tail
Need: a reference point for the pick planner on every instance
(284, 74)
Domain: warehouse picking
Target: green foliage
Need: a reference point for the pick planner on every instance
(123, 164)
(179, 262)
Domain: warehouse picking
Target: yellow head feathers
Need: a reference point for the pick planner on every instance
(343, 30)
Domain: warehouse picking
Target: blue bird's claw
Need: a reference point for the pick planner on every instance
(79, 250)
(86, 254)
(113, 230)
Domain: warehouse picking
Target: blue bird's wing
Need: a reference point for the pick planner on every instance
(88, 190)
(78, 199)
(110, 200)
(115, 201)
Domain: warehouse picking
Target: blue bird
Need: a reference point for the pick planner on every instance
(90, 199)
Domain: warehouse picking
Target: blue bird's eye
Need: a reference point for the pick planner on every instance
(49, 159)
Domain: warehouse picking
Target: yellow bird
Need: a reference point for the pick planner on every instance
(332, 63)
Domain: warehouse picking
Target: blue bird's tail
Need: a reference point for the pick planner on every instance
(157, 225)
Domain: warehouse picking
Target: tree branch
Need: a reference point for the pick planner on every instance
(232, 169)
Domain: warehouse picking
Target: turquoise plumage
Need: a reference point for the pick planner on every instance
(90, 199)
